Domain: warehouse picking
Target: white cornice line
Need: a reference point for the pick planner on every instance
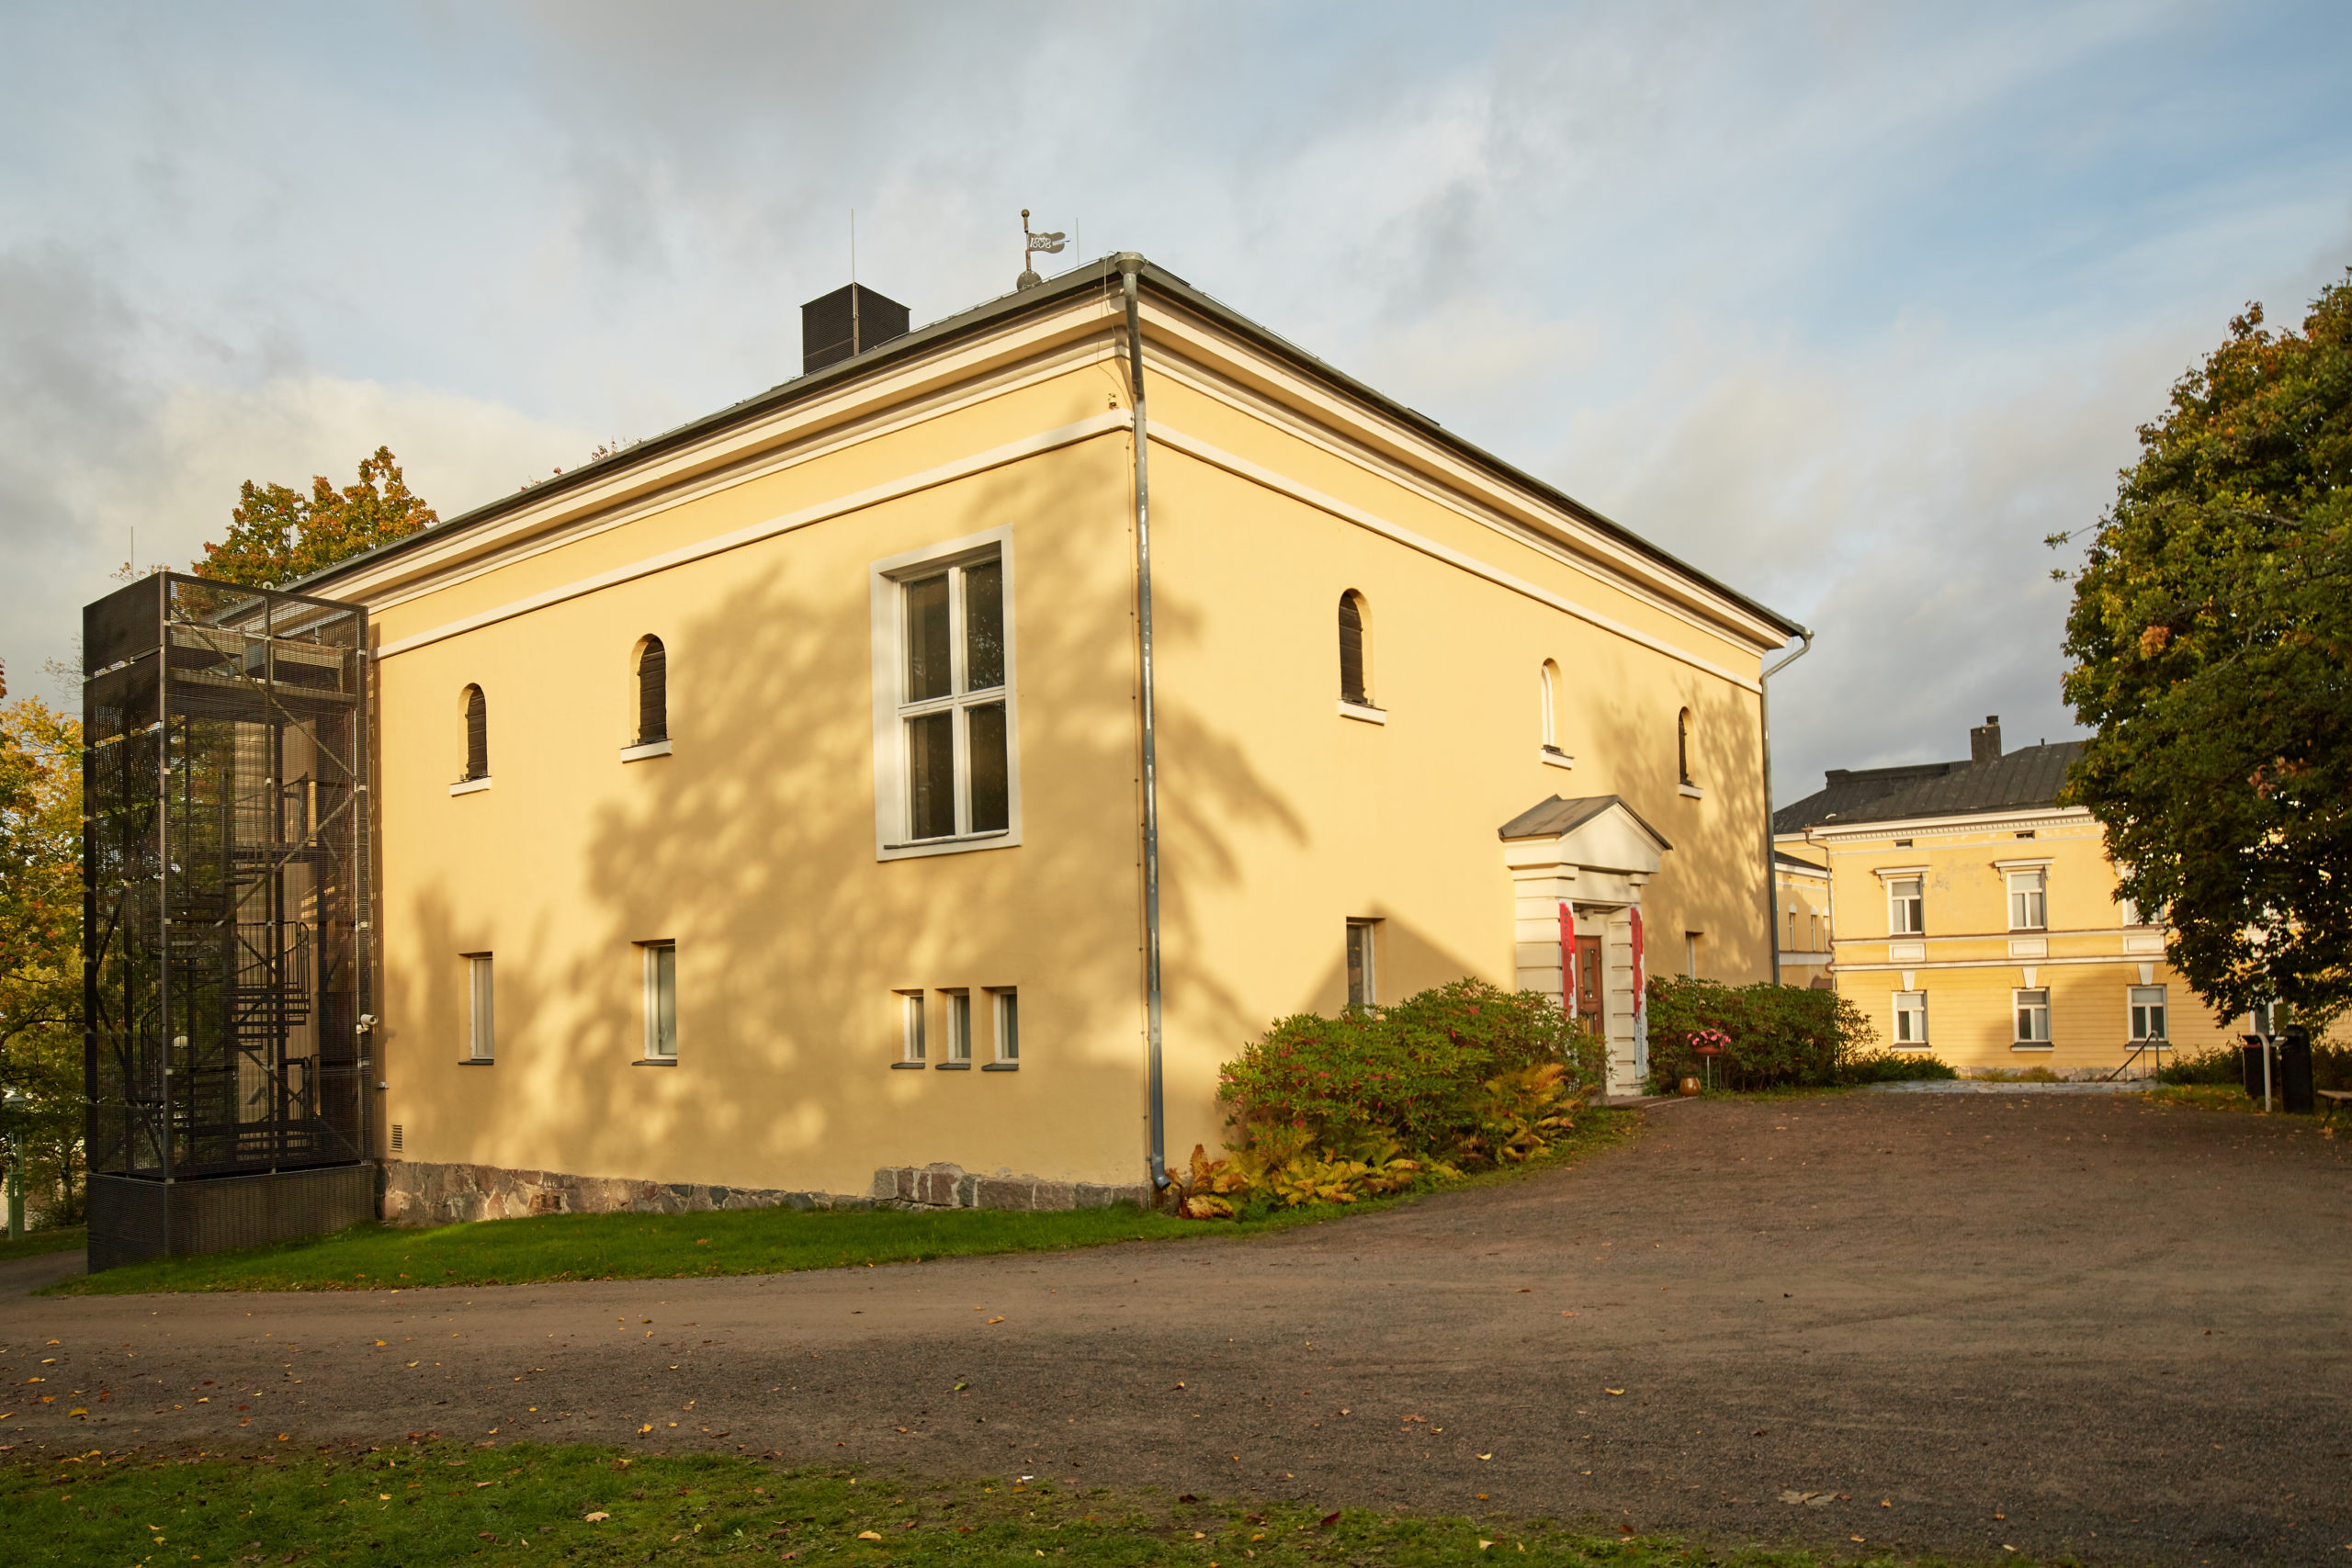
(995, 458)
(1609, 565)
(1521, 512)
(1988, 822)
(527, 536)
(2133, 959)
(1241, 467)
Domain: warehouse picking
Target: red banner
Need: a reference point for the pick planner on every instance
(1567, 960)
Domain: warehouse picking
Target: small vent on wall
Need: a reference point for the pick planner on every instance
(396, 1138)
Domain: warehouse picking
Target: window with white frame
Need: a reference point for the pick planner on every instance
(1690, 954)
(482, 1033)
(1907, 906)
(1550, 675)
(661, 1001)
(2147, 1014)
(1910, 1021)
(946, 750)
(911, 1047)
(2033, 1016)
(1363, 981)
(1006, 1004)
(2027, 892)
(959, 1028)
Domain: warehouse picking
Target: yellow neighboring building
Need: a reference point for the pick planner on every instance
(1975, 917)
(767, 811)
(1801, 895)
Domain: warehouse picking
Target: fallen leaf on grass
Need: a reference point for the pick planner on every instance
(1612, 1390)
(1330, 1519)
(1485, 1456)
(1853, 1538)
(869, 1535)
(1483, 1544)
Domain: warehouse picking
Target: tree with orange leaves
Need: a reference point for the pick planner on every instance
(276, 535)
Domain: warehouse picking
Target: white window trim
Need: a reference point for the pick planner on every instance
(1000, 997)
(2049, 1043)
(887, 605)
(481, 1008)
(649, 749)
(468, 786)
(1552, 757)
(913, 1034)
(2009, 875)
(1363, 711)
(2164, 1004)
(1693, 791)
(1919, 931)
(653, 1000)
(961, 1024)
(1370, 929)
(1895, 1034)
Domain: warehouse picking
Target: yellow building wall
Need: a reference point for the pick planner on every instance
(2089, 961)
(1801, 909)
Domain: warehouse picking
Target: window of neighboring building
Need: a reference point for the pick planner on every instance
(1813, 922)
(911, 1040)
(2034, 1016)
(1682, 747)
(1364, 984)
(2027, 890)
(1008, 1024)
(1353, 685)
(1690, 954)
(661, 1001)
(1793, 931)
(945, 751)
(1910, 1021)
(653, 692)
(477, 711)
(1907, 906)
(959, 1027)
(481, 1033)
(1550, 676)
(2147, 1014)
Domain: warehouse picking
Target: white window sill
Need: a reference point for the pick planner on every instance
(1004, 839)
(1692, 791)
(1552, 757)
(1364, 713)
(649, 749)
(2033, 1045)
(468, 786)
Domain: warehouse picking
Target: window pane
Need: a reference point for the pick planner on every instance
(959, 1027)
(1360, 978)
(910, 1024)
(665, 1001)
(1350, 650)
(1008, 1026)
(984, 627)
(484, 1028)
(930, 776)
(991, 794)
(927, 673)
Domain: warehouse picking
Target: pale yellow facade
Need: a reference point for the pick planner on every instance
(1801, 899)
(1988, 954)
(762, 842)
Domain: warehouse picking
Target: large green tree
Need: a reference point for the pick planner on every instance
(41, 948)
(276, 535)
(2211, 635)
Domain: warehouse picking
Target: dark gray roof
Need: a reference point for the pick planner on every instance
(1551, 818)
(1096, 277)
(1796, 862)
(2030, 776)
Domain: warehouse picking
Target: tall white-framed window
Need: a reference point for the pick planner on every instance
(2147, 1005)
(959, 1028)
(482, 1020)
(912, 1047)
(2033, 1016)
(1549, 678)
(1005, 1005)
(947, 753)
(1363, 975)
(2029, 894)
(1907, 906)
(1690, 954)
(661, 1000)
(1910, 1021)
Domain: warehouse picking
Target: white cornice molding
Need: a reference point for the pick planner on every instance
(1949, 827)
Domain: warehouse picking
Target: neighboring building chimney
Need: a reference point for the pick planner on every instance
(850, 320)
(1985, 741)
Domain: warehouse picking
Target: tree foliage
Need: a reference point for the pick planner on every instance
(41, 945)
(2212, 640)
(276, 535)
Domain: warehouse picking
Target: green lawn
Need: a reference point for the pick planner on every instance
(428, 1504)
(740, 1241)
(37, 1242)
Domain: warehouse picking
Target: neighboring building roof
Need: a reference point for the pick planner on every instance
(2028, 777)
(1787, 862)
(1553, 817)
(1093, 278)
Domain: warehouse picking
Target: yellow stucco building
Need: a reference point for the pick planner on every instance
(767, 812)
(1975, 917)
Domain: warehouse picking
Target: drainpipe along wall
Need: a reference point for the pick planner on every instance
(1130, 264)
(1771, 867)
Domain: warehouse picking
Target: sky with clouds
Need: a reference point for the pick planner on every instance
(1848, 303)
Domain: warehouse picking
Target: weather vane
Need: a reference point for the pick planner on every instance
(1050, 244)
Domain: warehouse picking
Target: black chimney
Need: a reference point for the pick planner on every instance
(849, 320)
(1985, 741)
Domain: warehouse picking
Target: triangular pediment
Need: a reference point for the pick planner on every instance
(1598, 832)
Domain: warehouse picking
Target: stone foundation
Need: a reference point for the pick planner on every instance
(2143, 1068)
(416, 1193)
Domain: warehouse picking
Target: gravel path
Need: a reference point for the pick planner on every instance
(2078, 1325)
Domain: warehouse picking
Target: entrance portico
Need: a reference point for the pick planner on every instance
(1578, 868)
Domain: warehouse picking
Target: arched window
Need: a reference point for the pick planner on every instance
(1352, 688)
(1682, 747)
(476, 735)
(1551, 695)
(653, 692)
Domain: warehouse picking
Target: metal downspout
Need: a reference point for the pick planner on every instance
(1771, 868)
(1129, 265)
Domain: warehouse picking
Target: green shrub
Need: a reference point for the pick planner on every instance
(1773, 1036)
(2221, 1063)
(1894, 1066)
(1374, 1099)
